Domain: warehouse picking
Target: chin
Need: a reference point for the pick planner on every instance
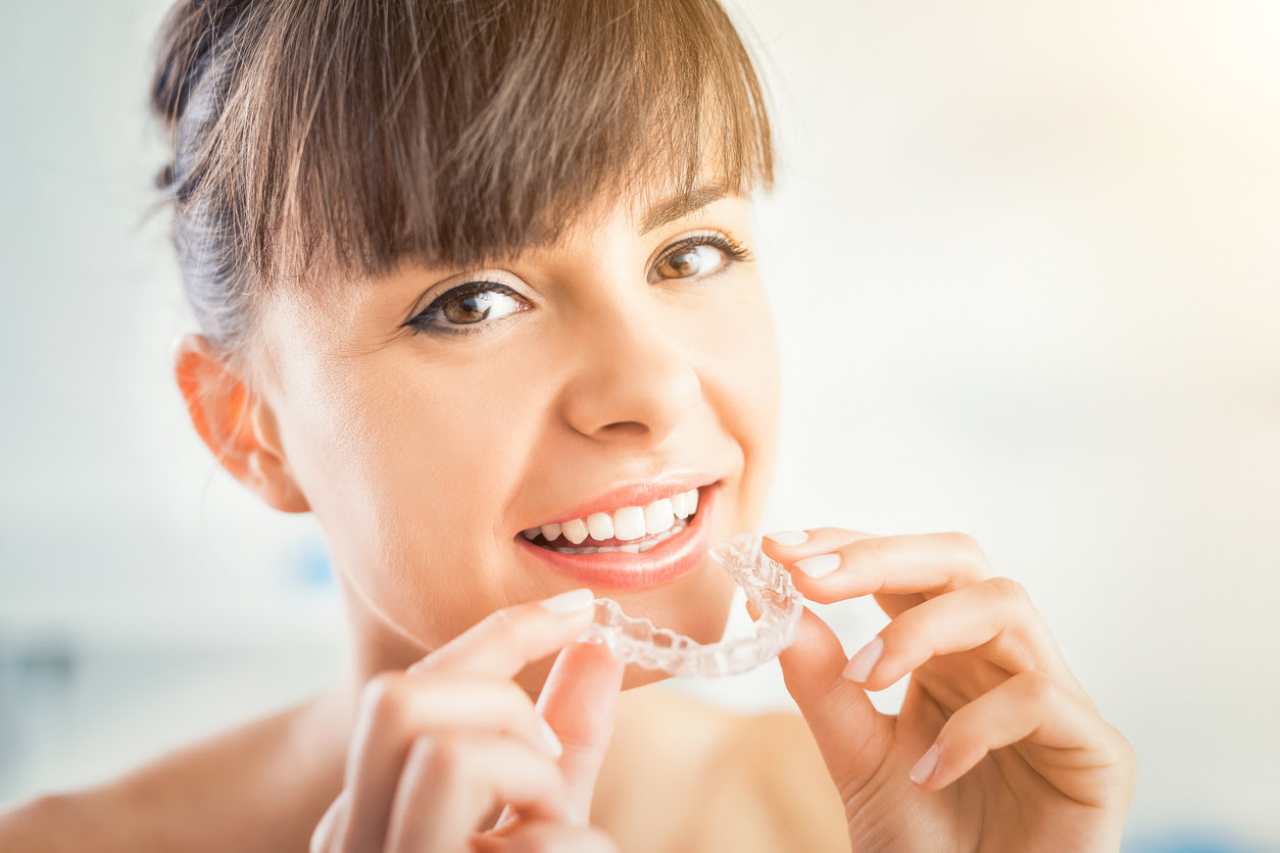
(636, 676)
(697, 606)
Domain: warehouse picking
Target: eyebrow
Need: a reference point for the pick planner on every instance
(673, 207)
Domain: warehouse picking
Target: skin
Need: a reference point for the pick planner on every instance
(423, 456)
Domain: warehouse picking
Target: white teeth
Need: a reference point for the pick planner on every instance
(630, 547)
(600, 525)
(575, 531)
(649, 543)
(658, 516)
(625, 523)
(629, 523)
(685, 503)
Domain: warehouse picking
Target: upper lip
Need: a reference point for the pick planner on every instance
(634, 493)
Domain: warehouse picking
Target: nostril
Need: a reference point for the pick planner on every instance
(624, 428)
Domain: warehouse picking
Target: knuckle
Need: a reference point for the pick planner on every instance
(969, 550)
(1008, 589)
(1038, 688)
(962, 540)
(383, 698)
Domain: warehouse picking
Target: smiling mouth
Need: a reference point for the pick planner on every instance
(629, 529)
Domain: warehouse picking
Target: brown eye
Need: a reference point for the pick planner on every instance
(691, 261)
(471, 308)
(477, 304)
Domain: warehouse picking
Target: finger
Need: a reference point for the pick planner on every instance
(1030, 706)
(328, 831)
(787, 545)
(544, 836)
(845, 725)
(832, 566)
(506, 640)
(450, 783)
(995, 615)
(397, 707)
(578, 700)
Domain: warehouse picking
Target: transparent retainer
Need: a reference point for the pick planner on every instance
(767, 585)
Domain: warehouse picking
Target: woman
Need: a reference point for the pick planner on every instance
(475, 284)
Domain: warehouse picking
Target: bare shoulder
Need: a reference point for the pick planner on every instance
(235, 789)
(41, 824)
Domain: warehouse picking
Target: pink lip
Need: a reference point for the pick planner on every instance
(635, 494)
(665, 562)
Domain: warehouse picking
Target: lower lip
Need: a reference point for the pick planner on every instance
(661, 564)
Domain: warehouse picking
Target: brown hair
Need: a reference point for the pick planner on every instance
(352, 135)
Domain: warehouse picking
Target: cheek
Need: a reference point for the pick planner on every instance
(409, 476)
(743, 382)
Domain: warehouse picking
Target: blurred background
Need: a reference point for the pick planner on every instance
(1023, 261)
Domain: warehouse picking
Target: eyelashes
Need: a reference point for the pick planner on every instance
(734, 250)
(436, 318)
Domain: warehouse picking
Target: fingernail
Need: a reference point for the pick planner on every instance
(860, 665)
(788, 537)
(819, 566)
(574, 599)
(925, 765)
(549, 738)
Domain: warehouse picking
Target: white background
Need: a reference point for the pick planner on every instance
(1023, 262)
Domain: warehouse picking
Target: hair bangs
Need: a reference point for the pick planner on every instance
(363, 134)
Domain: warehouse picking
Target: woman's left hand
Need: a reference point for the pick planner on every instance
(996, 745)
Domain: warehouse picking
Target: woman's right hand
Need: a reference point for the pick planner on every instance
(438, 747)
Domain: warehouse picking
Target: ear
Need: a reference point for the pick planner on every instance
(235, 423)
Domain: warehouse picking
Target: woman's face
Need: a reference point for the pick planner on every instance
(428, 425)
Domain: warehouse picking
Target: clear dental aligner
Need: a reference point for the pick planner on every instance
(767, 585)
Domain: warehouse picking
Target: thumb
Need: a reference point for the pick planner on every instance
(578, 701)
(850, 732)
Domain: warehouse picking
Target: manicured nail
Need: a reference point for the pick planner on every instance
(924, 766)
(550, 739)
(788, 537)
(574, 599)
(819, 566)
(860, 665)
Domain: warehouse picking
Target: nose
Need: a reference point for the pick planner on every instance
(634, 383)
